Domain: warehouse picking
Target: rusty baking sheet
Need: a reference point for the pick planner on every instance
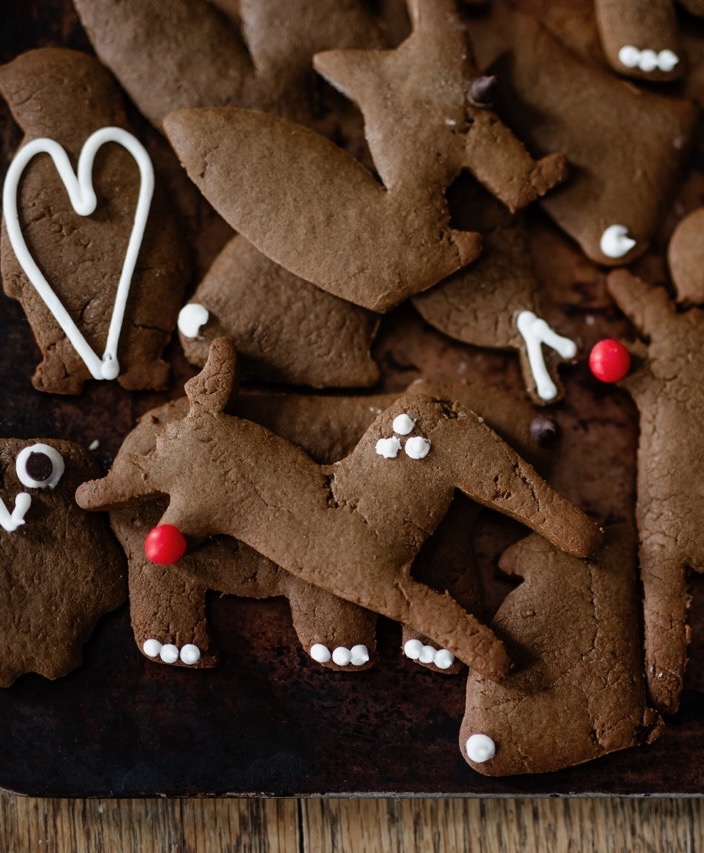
(268, 721)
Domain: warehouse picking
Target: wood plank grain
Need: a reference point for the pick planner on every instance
(503, 826)
(148, 826)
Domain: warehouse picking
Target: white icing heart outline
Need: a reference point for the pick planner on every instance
(79, 186)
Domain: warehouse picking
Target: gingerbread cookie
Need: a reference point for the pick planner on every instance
(666, 387)
(352, 528)
(101, 291)
(262, 59)
(285, 329)
(640, 38)
(577, 691)
(495, 302)
(62, 570)
(685, 257)
(295, 188)
(259, 52)
(615, 198)
(168, 603)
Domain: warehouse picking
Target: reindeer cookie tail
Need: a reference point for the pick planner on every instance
(210, 390)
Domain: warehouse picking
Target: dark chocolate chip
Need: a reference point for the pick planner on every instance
(482, 90)
(38, 466)
(544, 431)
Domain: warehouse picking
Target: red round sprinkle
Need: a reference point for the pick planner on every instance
(609, 360)
(164, 545)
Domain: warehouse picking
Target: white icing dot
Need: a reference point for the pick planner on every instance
(427, 654)
(320, 653)
(359, 655)
(480, 748)
(667, 60)
(403, 424)
(615, 242)
(388, 447)
(629, 56)
(190, 654)
(417, 447)
(109, 368)
(169, 653)
(151, 648)
(443, 659)
(648, 60)
(412, 649)
(341, 656)
(192, 318)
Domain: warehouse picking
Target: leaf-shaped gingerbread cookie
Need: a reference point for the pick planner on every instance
(311, 207)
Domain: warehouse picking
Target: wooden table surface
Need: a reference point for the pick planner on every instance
(187, 826)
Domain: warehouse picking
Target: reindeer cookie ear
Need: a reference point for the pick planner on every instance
(211, 388)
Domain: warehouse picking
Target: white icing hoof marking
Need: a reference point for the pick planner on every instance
(443, 659)
(412, 649)
(403, 424)
(480, 748)
(341, 656)
(190, 654)
(191, 319)
(320, 653)
(388, 447)
(629, 56)
(359, 655)
(169, 653)
(648, 60)
(667, 60)
(151, 648)
(615, 242)
(427, 654)
(417, 447)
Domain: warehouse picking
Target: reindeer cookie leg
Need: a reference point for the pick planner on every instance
(335, 633)
(169, 617)
(640, 39)
(666, 631)
(446, 562)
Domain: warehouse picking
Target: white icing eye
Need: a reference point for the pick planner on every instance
(417, 447)
(388, 447)
(403, 424)
(39, 466)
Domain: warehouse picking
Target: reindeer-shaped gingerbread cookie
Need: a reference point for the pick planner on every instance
(175, 629)
(372, 242)
(667, 389)
(352, 528)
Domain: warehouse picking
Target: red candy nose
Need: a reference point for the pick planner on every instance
(165, 545)
(609, 360)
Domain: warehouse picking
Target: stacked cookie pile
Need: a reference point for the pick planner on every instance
(384, 257)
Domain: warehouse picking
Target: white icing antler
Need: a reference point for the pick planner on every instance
(11, 521)
(535, 332)
(79, 187)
